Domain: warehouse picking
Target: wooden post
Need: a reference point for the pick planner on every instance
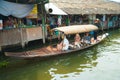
(91, 19)
(41, 13)
(0, 48)
(104, 19)
(22, 41)
(108, 22)
(43, 28)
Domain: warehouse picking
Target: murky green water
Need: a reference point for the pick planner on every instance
(101, 62)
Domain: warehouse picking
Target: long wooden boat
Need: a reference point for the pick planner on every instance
(51, 50)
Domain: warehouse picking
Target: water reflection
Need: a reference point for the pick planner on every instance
(69, 68)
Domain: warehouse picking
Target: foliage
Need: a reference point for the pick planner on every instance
(4, 64)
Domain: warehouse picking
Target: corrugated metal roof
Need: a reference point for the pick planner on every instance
(87, 6)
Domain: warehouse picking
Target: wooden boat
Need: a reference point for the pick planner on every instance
(51, 50)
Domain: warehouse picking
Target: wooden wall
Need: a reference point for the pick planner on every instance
(34, 33)
(19, 36)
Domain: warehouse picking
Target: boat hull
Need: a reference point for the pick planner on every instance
(49, 51)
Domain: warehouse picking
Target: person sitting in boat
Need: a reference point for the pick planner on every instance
(93, 41)
(64, 45)
(77, 40)
(87, 38)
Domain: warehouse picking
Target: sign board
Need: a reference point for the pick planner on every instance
(33, 13)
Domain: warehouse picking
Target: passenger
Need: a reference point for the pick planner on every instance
(87, 38)
(77, 40)
(93, 37)
(93, 41)
(64, 45)
(59, 46)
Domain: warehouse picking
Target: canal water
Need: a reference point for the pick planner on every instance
(101, 62)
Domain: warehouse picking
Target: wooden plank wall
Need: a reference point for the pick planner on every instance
(19, 36)
(34, 33)
(9, 37)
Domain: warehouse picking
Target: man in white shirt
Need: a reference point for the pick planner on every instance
(65, 43)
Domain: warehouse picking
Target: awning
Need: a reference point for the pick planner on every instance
(76, 29)
(55, 10)
(14, 9)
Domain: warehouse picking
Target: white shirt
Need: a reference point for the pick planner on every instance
(66, 43)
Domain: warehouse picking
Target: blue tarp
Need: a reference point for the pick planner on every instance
(15, 9)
